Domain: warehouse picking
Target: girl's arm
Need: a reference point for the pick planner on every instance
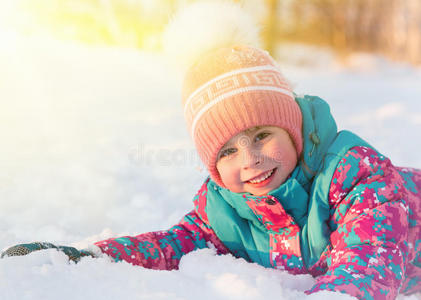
(163, 249)
(369, 222)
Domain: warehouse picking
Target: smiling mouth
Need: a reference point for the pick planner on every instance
(262, 177)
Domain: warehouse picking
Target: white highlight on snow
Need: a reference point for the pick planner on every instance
(232, 286)
(390, 110)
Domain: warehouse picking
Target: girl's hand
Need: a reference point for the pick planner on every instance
(23, 249)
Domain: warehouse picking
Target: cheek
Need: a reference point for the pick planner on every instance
(225, 172)
(283, 155)
(229, 175)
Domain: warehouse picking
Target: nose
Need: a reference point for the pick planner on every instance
(250, 158)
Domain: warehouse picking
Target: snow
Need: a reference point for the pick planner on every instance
(94, 145)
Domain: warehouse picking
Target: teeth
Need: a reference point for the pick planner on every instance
(261, 178)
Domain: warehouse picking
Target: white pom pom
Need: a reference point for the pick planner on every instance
(206, 25)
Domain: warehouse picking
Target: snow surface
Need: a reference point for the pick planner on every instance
(93, 145)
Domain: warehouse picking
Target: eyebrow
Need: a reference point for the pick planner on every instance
(253, 129)
(248, 131)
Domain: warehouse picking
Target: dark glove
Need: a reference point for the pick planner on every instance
(23, 249)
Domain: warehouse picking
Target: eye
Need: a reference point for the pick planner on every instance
(226, 152)
(260, 136)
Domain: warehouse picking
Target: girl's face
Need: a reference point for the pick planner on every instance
(256, 160)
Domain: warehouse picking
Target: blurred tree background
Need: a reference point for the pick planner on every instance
(388, 27)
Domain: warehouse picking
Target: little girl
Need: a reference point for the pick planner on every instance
(286, 189)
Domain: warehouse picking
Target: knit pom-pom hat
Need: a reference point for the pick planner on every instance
(229, 89)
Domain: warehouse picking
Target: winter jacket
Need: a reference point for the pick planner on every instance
(345, 215)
